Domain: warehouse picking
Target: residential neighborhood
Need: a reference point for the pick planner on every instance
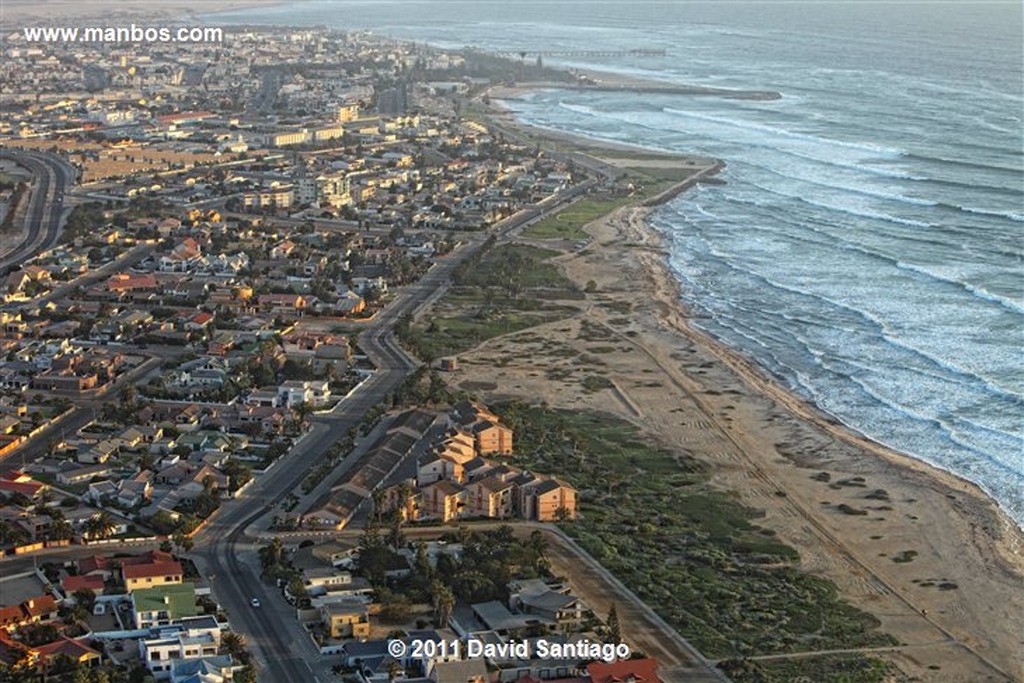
(244, 433)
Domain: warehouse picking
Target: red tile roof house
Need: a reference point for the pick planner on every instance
(90, 582)
(199, 321)
(624, 671)
(97, 565)
(151, 574)
(130, 282)
(37, 609)
(105, 566)
(76, 650)
(16, 481)
(11, 617)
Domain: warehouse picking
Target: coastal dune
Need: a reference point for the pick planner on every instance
(926, 552)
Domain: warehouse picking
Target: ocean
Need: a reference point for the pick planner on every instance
(866, 248)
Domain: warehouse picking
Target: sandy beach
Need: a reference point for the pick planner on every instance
(928, 553)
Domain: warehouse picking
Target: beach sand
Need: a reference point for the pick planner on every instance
(957, 607)
(694, 395)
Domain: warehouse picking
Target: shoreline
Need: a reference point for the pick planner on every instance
(769, 383)
(761, 380)
(797, 404)
(988, 531)
(780, 444)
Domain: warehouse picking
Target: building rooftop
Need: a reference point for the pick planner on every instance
(142, 571)
(177, 599)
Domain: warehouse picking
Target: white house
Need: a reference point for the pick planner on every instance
(187, 639)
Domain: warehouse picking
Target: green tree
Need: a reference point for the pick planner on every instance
(444, 603)
(614, 630)
(183, 542)
(60, 529)
(233, 644)
(423, 568)
(298, 590)
(21, 671)
(247, 674)
(129, 400)
(100, 526)
(271, 554)
(86, 598)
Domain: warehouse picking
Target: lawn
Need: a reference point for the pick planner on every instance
(568, 223)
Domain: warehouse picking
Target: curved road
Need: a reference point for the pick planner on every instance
(223, 546)
(51, 177)
(225, 551)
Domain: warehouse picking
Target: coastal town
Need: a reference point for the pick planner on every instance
(231, 228)
(301, 379)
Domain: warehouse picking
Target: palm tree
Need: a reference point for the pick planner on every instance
(444, 603)
(614, 630)
(43, 498)
(100, 526)
(394, 668)
(247, 674)
(60, 529)
(234, 644)
(395, 537)
(538, 546)
(378, 505)
(270, 555)
(11, 534)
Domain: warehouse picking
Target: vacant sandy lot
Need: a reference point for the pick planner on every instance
(925, 552)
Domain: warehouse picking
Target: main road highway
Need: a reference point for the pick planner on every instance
(51, 177)
(225, 551)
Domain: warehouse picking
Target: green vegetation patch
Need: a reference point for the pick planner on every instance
(693, 553)
(593, 332)
(568, 224)
(448, 336)
(824, 669)
(503, 289)
(595, 383)
(905, 556)
(527, 263)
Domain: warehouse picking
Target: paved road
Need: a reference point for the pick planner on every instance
(85, 408)
(642, 628)
(223, 546)
(225, 549)
(51, 177)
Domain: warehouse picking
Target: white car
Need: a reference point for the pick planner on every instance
(255, 602)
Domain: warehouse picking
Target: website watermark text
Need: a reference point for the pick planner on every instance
(123, 34)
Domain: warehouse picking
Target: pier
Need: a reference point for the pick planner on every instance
(523, 54)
